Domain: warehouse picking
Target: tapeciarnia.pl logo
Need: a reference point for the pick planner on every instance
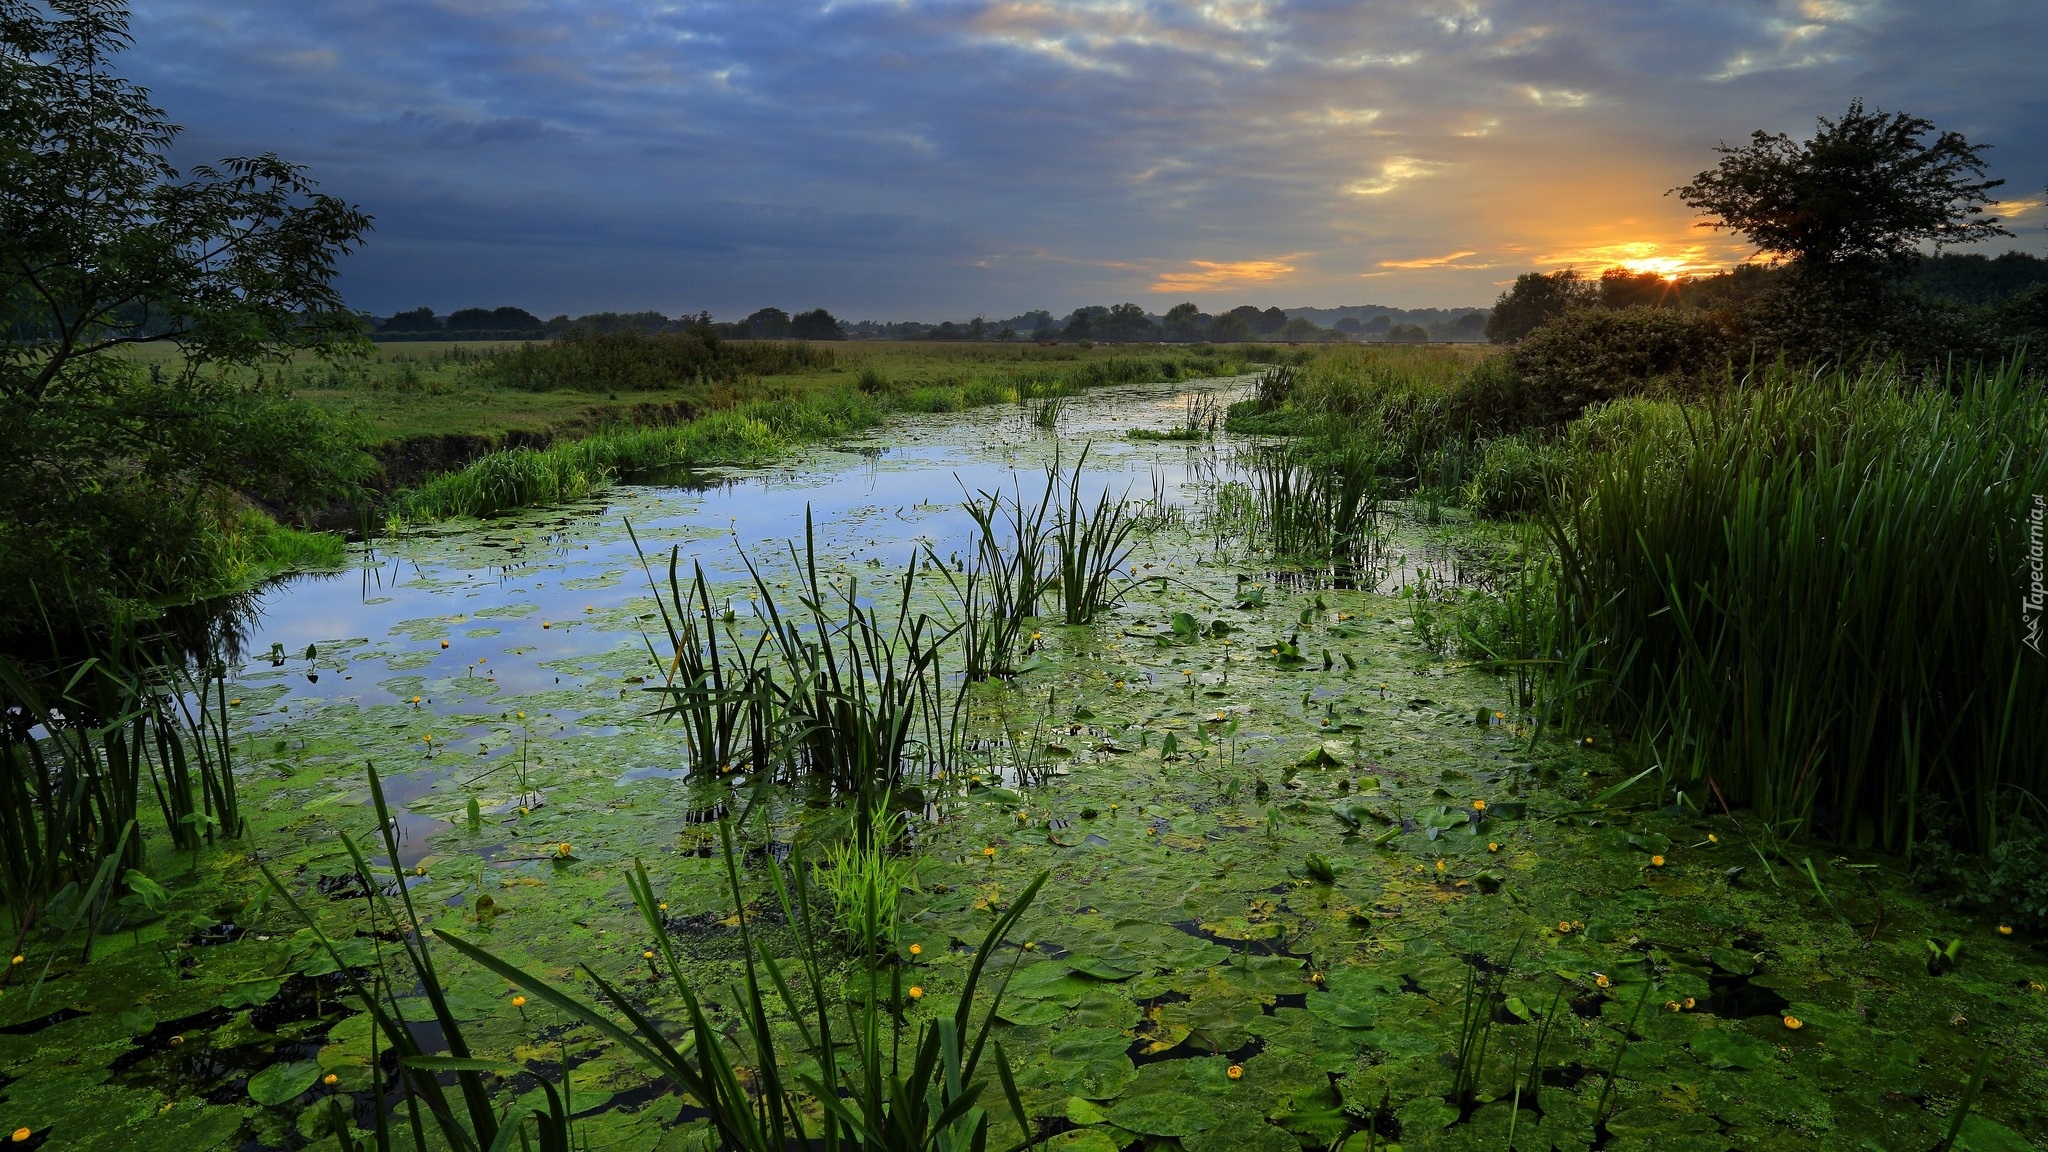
(2037, 589)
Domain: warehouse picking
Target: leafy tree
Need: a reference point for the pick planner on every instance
(1866, 191)
(1183, 322)
(417, 320)
(1621, 288)
(1468, 326)
(1534, 298)
(1230, 327)
(119, 484)
(766, 324)
(817, 324)
(1352, 325)
(1126, 322)
(1407, 334)
(1301, 328)
(506, 319)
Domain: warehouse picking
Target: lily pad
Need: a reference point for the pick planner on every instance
(1164, 1114)
(281, 1083)
(1728, 1048)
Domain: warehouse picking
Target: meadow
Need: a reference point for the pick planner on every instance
(975, 747)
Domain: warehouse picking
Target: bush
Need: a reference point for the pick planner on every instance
(1592, 355)
(1513, 477)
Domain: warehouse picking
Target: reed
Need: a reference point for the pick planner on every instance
(84, 746)
(1090, 545)
(1816, 606)
(1003, 578)
(469, 1123)
(859, 1077)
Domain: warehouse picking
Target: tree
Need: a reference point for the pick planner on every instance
(1301, 328)
(1534, 298)
(117, 484)
(1184, 322)
(507, 319)
(1126, 322)
(1229, 328)
(417, 320)
(817, 324)
(1865, 192)
(766, 324)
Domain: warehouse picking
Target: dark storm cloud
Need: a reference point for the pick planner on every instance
(934, 158)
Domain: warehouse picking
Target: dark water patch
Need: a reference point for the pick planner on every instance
(1738, 996)
(1286, 1000)
(31, 1027)
(303, 998)
(226, 932)
(1268, 946)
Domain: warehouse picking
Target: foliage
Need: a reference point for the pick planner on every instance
(865, 878)
(1766, 616)
(1867, 189)
(1535, 299)
(84, 747)
(871, 1097)
(113, 480)
(2009, 883)
(1593, 355)
(634, 361)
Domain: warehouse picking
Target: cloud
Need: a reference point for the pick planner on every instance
(1453, 260)
(942, 157)
(1209, 276)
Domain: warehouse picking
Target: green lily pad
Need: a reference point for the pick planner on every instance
(1982, 1134)
(1100, 969)
(1334, 1009)
(281, 1083)
(1164, 1114)
(1032, 1011)
(1728, 1048)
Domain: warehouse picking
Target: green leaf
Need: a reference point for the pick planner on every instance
(1021, 1011)
(281, 1083)
(1727, 1048)
(1163, 1114)
(1100, 969)
(1981, 1134)
(1083, 1111)
(1334, 1009)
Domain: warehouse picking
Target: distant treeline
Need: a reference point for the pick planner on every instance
(1121, 323)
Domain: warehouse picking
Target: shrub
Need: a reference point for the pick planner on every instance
(1592, 355)
(1513, 477)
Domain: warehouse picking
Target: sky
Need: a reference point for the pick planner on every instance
(938, 159)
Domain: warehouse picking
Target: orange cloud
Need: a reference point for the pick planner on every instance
(1450, 261)
(1637, 256)
(1209, 275)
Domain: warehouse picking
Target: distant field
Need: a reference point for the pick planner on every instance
(398, 391)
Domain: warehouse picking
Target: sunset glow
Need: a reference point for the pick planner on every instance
(999, 155)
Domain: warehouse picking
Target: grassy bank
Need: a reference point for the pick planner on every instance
(754, 421)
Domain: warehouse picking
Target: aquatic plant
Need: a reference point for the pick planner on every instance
(1002, 579)
(870, 1091)
(1818, 601)
(865, 880)
(477, 1126)
(721, 696)
(1090, 546)
(84, 745)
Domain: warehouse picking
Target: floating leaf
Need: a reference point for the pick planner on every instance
(281, 1083)
(1163, 1114)
(1728, 1048)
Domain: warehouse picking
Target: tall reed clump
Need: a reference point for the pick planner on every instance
(500, 481)
(722, 695)
(1820, 606)
(1003, 578)
(1089, 545)
(836, 690)
(84, 748)
(854, 1075)
(1319, 507)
